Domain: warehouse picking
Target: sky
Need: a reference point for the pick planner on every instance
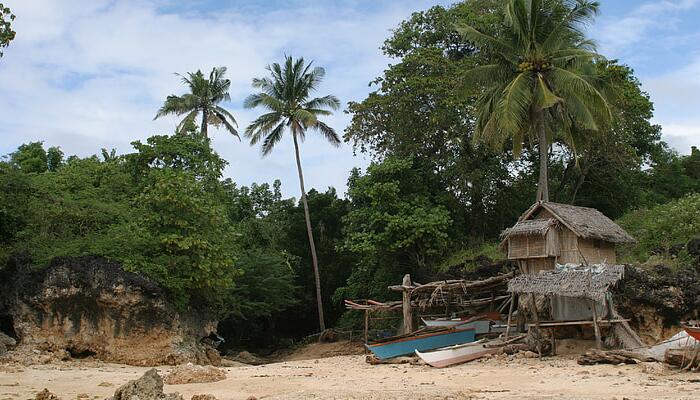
(86, 75)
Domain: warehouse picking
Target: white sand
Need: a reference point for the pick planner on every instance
(349, 377)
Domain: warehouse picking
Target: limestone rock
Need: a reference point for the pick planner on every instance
(7, 341)
(246, 358)
(147, 387)
(91, 307)
(189, 373)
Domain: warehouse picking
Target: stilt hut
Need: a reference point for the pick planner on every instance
(552, 233)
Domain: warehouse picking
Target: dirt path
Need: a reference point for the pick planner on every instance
(349, 377)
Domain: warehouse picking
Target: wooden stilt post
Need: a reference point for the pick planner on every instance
(366, 326)
(510, 314)
(595, 325)
(537, 323)
(406, 305)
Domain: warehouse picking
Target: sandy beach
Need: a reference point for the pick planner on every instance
(350, 377)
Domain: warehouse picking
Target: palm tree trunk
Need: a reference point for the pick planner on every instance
(205, 115)
(314, 259)
(543, 183)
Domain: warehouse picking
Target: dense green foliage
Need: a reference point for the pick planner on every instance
(539, 80)
(6, 32)
(432, 198)
(398, 223)
(659, 229)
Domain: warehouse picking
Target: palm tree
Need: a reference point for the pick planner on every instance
(204, 97)
(541, 80)
(285, 95)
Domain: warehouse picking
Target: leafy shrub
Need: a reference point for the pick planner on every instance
(660, 228)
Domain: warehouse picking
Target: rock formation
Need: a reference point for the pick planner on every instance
(91, 307)
(147, 387)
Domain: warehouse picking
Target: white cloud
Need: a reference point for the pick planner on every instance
(658, 39)
(86, 75)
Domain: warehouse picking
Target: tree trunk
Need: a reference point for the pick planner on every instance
(314, 259)
(204, 123)
(579, 182)
(542, 185)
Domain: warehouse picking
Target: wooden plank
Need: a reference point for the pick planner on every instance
(587, 322)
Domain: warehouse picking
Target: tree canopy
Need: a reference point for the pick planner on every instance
(204, 97)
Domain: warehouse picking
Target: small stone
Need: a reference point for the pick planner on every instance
(46, 395)
(203, 397)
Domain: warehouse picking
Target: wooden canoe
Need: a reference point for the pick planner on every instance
(456, 354)
(408, 344)
(693, 331)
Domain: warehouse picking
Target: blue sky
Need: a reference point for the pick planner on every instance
(85, 75)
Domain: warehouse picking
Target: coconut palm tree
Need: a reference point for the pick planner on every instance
(204, 97)
(285, 94)
(541, 78)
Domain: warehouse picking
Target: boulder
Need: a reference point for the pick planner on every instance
(147, 387)
(693, 247)
(189, 373)
(91, 307)
(7, 341)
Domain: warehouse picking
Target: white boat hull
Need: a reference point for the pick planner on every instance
(455, 355)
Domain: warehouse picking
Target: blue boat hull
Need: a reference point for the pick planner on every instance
(423, 342)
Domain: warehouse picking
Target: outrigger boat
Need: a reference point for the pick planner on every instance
(421, 340)
(456, 354)
(481, 323)
(692, 330)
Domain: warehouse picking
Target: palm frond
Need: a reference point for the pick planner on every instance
(562, 78)
(189, 118)
(224, 120)
(265, 100)
(515, 103)
(262, 126)
(328, 132)
(483, 75)
(473, 35)
(329, 101)
(272, 139)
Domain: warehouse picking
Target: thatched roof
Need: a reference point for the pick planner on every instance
(530, 227)
(587, 223)
(591, 282)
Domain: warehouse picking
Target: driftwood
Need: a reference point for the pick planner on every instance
(687, 358)
(373, 360)
(593, 357)
(504, 343)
